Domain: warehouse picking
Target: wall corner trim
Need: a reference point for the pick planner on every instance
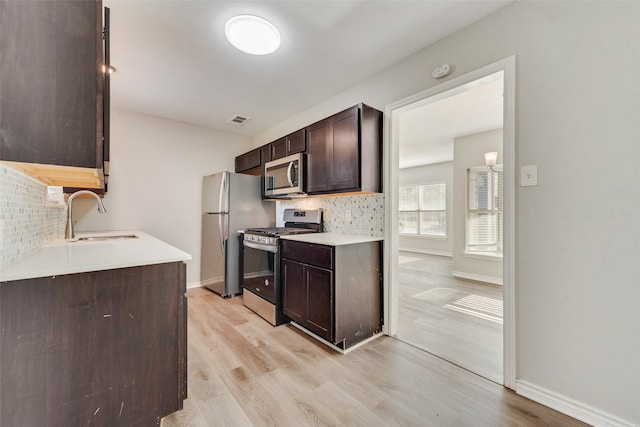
(569, 406)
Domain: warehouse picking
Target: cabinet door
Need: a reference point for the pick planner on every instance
(296, 142)
(240, 162)
(253, 158)
(319, 153)
(279, 149)
(333, 153)
(294, 292)
(345, 165)
(51, 88)
(247, 161)
(319, 301)
(265, 154)
(112, 339)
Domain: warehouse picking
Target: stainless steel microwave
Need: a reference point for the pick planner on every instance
(285, 177)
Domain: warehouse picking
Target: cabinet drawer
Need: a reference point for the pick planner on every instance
(308, 253)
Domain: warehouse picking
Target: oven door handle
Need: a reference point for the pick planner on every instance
(260, 246)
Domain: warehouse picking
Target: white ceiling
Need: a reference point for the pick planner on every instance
(427, 131)
(173, 60)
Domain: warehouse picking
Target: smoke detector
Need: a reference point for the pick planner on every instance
(238, 120)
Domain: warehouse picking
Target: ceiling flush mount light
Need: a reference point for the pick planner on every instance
(490, 159)
(252, 34)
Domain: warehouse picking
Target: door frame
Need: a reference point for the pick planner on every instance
(391, 181)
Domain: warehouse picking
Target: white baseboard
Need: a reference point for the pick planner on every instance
(427, 251)
(571, 407)
(478, 277)
(333, 346)
(192, 285)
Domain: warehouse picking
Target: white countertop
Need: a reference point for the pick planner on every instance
(60, 257)
(331, 239)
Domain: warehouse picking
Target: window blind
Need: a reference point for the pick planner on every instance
(484, 211)
(423, 210)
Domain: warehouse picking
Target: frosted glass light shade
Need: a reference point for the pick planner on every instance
(490, 158)
(252, 34)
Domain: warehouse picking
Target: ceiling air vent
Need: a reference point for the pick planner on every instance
(238, 120)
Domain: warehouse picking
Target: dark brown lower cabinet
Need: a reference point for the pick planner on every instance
(333, 291)
(308, 297)
(104, 348)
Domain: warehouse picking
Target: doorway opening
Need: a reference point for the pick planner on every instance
(449, 221)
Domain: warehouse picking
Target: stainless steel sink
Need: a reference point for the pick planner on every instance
(107, 237)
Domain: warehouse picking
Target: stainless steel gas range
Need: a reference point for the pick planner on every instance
(261, 262)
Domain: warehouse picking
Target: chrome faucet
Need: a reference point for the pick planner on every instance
(69, 233)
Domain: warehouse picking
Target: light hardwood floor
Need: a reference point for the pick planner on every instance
(459, 320)
(244, 372)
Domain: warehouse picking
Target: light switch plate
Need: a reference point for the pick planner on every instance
(528, 176)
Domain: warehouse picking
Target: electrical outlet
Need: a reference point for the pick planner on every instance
(529, 176)
(347, 215)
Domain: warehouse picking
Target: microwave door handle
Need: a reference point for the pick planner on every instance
(289, 176)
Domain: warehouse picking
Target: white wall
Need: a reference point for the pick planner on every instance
(468, 151)
(429, 174)
(577, 237)
(156, 179)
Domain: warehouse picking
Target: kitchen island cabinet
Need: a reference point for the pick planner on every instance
(51, 91)
(332, 287)
(103, 347)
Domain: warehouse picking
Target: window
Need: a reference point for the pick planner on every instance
(423, 210)
(484, 211)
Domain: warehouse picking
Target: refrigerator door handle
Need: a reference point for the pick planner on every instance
(221, 229)
(223, 194)
(225, 228)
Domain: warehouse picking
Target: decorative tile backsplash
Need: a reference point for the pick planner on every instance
(365, 213)
(26, 219)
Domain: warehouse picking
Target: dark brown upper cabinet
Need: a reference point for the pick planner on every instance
(51, 85)
(288, 145)
(279, 148)
(249, 162)
(344, 152)
(265, 154)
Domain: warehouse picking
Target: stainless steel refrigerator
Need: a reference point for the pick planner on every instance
(230, 202)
